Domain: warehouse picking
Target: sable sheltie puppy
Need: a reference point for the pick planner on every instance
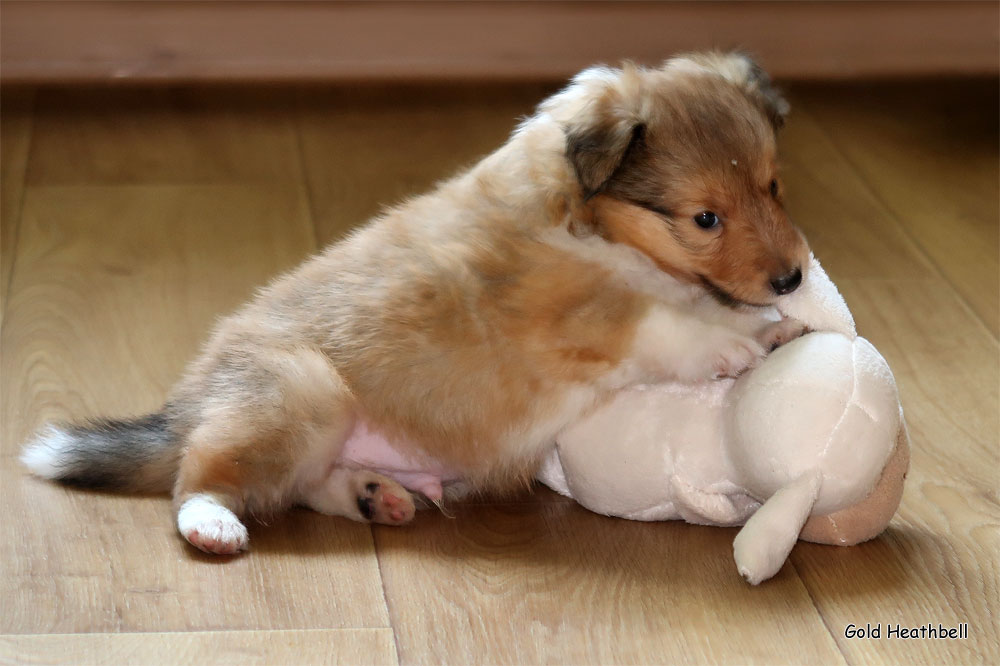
(446, 342)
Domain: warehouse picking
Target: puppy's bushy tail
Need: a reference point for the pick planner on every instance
(137, 454)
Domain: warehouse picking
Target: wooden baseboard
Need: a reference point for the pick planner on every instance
(84, 41)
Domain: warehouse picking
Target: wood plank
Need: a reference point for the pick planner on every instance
(850, 230)
(181, 136)
(115, 288)
(266, 41)
(324, 646)
(522, 584)
(862, 242)
(15, 139)
(932, 161)
(936, 563)
(362, 154)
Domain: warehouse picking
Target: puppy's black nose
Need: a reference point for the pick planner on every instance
(786, 284)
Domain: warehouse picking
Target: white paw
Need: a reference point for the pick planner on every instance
(211, 527)
(728, 354)
(781, 332)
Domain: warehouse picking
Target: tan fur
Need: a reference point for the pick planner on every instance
(474, 322)
(686, 170)
(451, 324)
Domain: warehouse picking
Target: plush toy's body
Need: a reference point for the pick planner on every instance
(809, 444)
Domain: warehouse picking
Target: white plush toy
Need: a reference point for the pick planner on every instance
(810, 444)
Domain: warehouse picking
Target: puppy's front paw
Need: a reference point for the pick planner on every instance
(720, 352)
(384, 501)
(778, 333)
(735, 355)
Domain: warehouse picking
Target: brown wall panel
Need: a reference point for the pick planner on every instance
(86, 41)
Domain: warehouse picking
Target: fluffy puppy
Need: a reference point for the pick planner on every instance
(450, 339)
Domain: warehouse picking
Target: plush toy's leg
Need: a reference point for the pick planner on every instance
(763, 544)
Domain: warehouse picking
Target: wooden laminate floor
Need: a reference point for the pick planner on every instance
(131, 219)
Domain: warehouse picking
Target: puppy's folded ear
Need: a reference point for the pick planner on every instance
(597, 151)
(739, 68)
(606, 127)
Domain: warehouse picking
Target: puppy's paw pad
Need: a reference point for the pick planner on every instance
(781, 332)
(211, 527)
(386, 502)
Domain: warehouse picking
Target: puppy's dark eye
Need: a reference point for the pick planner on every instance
(706, 219)
(774, 189)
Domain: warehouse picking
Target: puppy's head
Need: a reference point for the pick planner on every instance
(681, 163)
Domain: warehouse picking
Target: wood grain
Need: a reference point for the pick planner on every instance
(877, 229)
(15, 139)
(146, 214)
(937, 561)
(240, 648)
(867, 249)
(361, 158)
(931, 162)
(848, 228)
(115, 287)
(170, 135)
(554, 583)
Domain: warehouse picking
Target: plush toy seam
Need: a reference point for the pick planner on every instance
(851, 401)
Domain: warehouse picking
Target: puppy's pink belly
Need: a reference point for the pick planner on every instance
(368, 448)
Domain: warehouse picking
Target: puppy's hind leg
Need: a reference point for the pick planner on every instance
(264, 416)
(208, 525)
(219, 473)
(361, 495)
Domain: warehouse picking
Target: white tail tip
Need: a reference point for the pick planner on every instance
(45, 454)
